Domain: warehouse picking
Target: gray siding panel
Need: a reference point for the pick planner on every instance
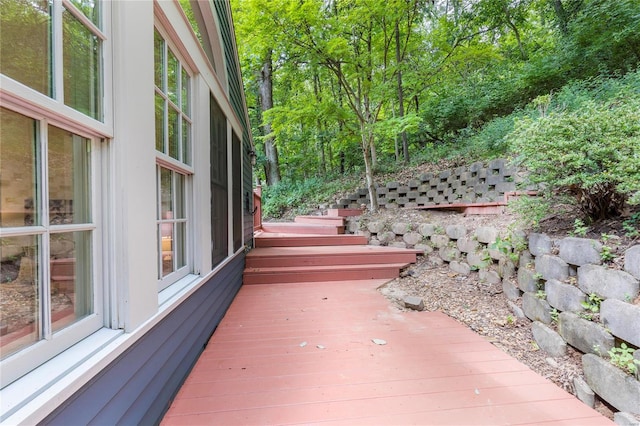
(138, 387)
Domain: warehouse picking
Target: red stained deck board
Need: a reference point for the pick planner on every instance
(327, 255)
(269, 239)
(432, 370)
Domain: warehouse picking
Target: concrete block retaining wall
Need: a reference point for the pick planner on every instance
(477, 183)
(549, 282)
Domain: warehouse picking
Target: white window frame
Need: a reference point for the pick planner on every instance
(51, 110)
(51, 343)
(185, 168)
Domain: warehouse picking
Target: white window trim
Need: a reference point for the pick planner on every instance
(52, 343)
(185, 167)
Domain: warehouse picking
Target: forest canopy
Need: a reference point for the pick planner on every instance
(342, 86)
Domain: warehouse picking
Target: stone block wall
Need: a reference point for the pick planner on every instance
(561, 286)
(477, 183)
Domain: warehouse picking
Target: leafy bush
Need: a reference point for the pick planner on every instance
(592, 153)
(302, 196)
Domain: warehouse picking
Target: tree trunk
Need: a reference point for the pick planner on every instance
(561, 14)
(367, 144)
(405, 143)
(272, 167)
(516, 33)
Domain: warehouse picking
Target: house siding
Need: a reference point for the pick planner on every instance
(138, 387)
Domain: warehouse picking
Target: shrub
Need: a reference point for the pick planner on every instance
(592, 153)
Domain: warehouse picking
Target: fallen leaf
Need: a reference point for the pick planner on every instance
(379, 341)
(320, 346)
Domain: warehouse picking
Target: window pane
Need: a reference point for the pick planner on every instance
(82, 70)
(166, 194)
(179, 196)
(166, 232)
(19, 297)
(159, 60)
(25, 45)
(71, 283)
(69, 200)
(184, 96)
(90, 8)
(160, 123)
(174, 133)
(181, 255)
(18, 168)
(186, 142)
(172, 77)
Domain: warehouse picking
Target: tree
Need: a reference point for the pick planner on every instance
(272, 166)
(256, 53)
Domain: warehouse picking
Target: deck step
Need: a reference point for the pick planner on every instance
(333, 255)
(344, 212)
(320, 220)
(263, 239)
(302, 228)
(306, 274)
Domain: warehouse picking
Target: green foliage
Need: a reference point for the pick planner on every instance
(631, 226)
(591, 153)
(579, 228)
(540, 294)
(607, 254)
(301, 196)
(511, 246)
(530, 210)
(554, 315)
(592, 304)
(622, 358)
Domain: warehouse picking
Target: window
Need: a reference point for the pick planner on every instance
(173, 147)
(36, 34)
(48, 235)
(219, 183)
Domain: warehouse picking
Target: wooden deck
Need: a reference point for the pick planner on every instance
(304, 354)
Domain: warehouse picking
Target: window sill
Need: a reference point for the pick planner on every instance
(31, 398)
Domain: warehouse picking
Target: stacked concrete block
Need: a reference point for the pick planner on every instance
(476, 183)
(592, 311)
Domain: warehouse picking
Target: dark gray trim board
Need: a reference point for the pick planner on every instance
(138, 386)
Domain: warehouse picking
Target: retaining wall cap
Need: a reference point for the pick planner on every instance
(580, 251)
(552, 267)
(632, 261)
(539, 244)
(487, 234)
(536, 309)
(400, 228)
(548, 340)
(607, 283)
(622, 418)
(623, 319)
(427, 229)
(564, 297)
(612, 384)
(456, 231)
(587, 336)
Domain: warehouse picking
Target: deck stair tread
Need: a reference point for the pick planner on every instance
(303, 228)
(268, 239)
(292, 269)
(293, 252)
(323, 255)
(321, 273)
(344, 212)
(320, 220)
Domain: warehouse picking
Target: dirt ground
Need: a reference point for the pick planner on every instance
(482, 306)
